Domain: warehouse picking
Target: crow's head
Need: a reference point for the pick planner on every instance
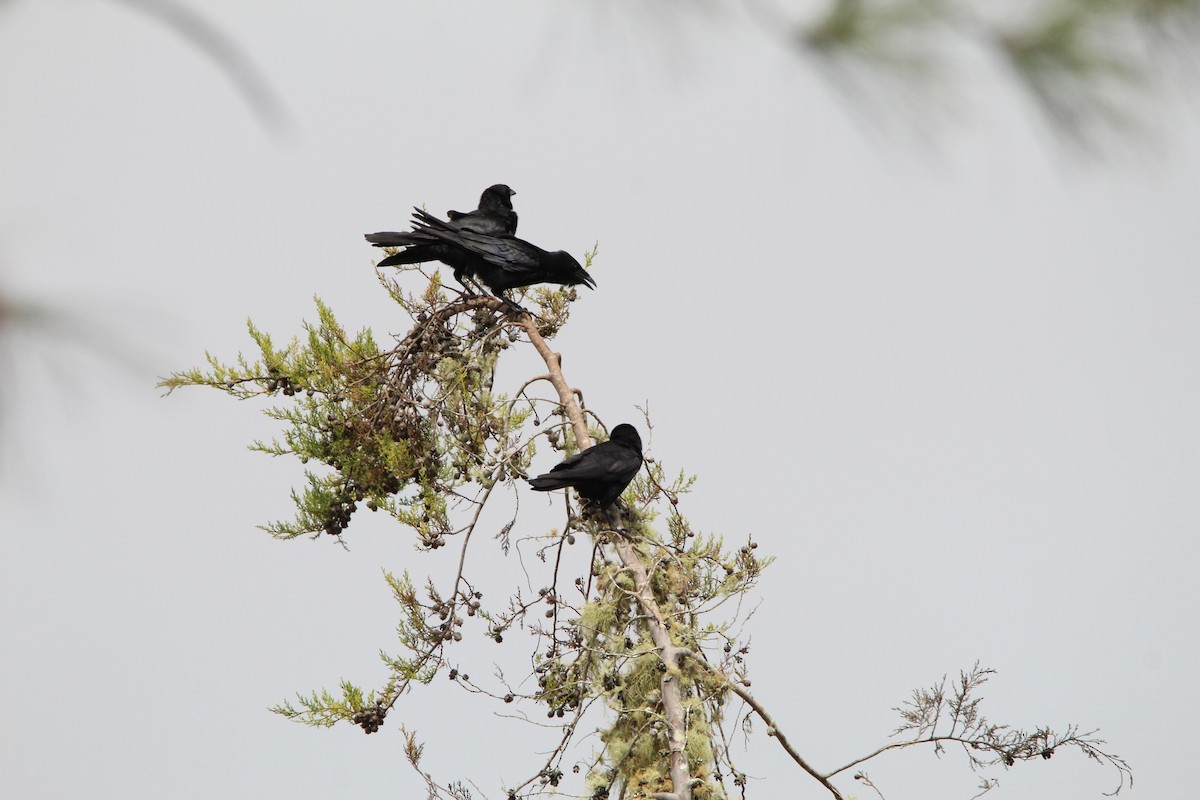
(567, 270)
(497, 196)
(626, 434)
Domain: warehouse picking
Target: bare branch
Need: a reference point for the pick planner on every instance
(772, 726)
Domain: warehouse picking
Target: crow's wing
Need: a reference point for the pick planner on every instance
(600, 463)
(504, 252)
(507, 253)
(479, 222)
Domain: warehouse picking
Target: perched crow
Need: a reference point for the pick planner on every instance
(495, 215)
(501, 262)
(599, 473)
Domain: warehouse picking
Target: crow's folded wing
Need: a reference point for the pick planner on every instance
(599, 463)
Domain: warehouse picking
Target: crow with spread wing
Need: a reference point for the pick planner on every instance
(501, 262)
(600, 473)
(494, 216)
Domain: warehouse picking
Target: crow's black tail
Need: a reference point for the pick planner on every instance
(413, 255)
(547, 483)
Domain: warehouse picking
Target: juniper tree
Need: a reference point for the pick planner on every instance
(645, 645)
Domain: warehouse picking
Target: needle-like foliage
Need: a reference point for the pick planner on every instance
(640, 642)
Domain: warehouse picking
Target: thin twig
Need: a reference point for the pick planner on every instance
(772, 726)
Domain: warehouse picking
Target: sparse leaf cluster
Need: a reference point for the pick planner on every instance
(949, 713)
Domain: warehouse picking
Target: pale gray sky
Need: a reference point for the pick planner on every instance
(952, 386)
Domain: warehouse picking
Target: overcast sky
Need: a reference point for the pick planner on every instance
(950, 380)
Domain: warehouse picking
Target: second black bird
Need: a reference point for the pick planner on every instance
(495, 214)
(599, 473)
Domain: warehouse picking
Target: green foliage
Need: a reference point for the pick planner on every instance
(1075, 64)
(883, 32)
(419, 431)
(322, 708)
(645, 633)
(399, 430)
(416, 431)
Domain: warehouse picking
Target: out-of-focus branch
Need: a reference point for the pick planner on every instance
(1085, 64)
(209, 39)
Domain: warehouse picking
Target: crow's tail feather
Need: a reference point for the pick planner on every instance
(389, 238)
(413, 255)
(547, 483)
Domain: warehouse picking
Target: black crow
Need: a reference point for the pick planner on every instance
(494, 215)
(599, 473)
(501, 262)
